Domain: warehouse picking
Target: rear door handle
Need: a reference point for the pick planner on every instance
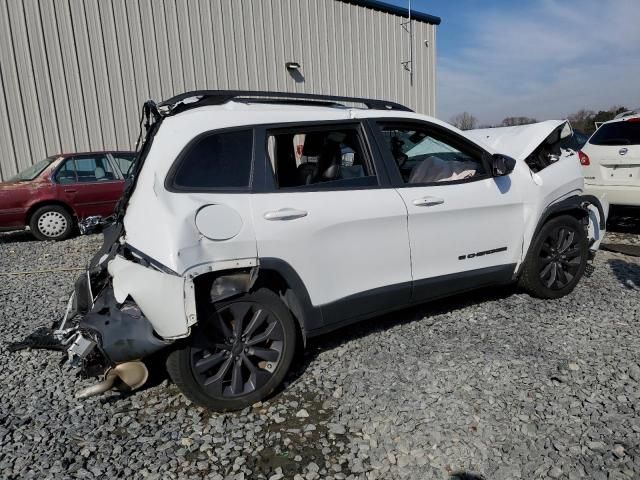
(285, 214)
(70, 190)
(428, 201)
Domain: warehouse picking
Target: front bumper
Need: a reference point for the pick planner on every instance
(597, 208)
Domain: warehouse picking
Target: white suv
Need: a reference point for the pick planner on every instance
(257, 220)
(611, 160)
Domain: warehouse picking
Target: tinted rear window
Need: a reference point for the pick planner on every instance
(216, 161)
(617, 133)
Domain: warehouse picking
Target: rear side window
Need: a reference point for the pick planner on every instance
(94, 169)
(617, 133)
(325, 157)
(216, 161)
(124, 161)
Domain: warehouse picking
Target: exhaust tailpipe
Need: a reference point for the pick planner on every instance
(125, 377)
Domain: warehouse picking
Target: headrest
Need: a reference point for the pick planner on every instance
(313, 143)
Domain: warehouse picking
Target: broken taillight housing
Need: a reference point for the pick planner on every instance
(584, 158)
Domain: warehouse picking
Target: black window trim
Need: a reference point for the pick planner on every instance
(169, 182)
(394, 172)
(369, 149)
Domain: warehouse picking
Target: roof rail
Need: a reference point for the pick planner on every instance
(198, 98)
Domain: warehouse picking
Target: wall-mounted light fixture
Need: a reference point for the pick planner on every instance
(292, 65)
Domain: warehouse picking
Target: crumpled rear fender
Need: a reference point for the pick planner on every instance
(168, 299)
(160, 296)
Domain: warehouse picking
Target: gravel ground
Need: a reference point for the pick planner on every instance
(493, 385)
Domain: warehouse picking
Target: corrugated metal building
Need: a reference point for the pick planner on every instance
(74, 73)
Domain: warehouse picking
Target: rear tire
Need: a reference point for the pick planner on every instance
(238, 355)
(557, 258)
(51, 222)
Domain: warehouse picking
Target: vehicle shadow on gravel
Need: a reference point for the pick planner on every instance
(305, 357)
(466, 476)
(624, 220)
(425, 312)
(19, 236)
(627, 273)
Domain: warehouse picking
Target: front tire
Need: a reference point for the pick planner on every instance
(557, 258)
(51, 222)
(238, 355)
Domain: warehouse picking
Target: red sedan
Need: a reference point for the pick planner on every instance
(51, 196)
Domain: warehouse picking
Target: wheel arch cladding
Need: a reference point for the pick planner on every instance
(569, 206)
(296, 296)
(273, 274)
(572, 206)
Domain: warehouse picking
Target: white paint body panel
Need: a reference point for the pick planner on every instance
(218, 222)
(473, 217)
(349, 242)
(159, 295)
(517, 142)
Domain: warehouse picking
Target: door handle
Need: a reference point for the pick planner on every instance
(285, 214)
(428, 201)
(70, 190)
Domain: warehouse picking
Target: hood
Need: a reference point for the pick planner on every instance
(520, 141)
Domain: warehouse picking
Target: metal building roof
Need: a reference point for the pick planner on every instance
(403, 12)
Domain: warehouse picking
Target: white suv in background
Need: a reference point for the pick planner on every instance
(256, 220)
(611, 160)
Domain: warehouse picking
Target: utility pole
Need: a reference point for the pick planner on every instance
(408, 64)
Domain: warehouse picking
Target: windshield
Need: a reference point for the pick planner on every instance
(34, 170)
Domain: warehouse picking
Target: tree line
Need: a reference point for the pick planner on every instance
(584, 120)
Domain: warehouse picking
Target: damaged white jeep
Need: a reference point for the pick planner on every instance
(255, 220)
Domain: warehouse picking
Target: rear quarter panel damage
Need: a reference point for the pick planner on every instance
(160, 296)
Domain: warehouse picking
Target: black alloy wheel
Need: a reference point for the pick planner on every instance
(238, 355)
(243, 352)
(557, 258)
(560, 257)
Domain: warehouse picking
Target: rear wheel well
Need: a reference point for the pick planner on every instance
(44, 203)
(269, 279)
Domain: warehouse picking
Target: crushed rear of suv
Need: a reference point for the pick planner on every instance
(253, 221)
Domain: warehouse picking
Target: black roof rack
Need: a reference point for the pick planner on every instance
(198, 98)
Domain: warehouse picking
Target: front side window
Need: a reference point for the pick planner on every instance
(67, 172)
(216, 161)
(423, 155)
(331, 157)
(618, 133)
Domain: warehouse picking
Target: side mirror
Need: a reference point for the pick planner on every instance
(502, 165)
